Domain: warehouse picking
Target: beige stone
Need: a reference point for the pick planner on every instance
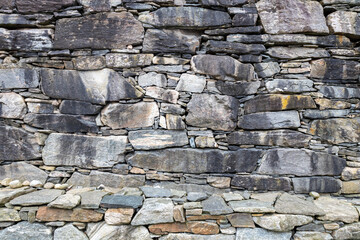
(119, 216)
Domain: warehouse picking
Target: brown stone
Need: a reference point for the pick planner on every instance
(165, 228)
(351, 187)
(118, 216)
(241, 220)
(179, 215)
(205, 228)
(219, 182)
(47, 214)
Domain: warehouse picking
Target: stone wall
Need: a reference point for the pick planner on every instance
(179, 119)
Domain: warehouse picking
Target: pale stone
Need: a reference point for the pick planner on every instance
(12, 105)
(252, 206)
(282, 222)
(344, 22)
(191, 83)
(259, 233)
(285, 204)
(66, 201)
(69, 232)
(152, 79)
(119, 216)
(337, 210)
(155, 210)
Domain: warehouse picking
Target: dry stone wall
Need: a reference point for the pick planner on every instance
(179, 119)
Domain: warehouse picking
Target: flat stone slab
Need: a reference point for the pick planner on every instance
(121, 201)
(252, 206)
(41, 197)
(18, 78)
(285, 204)
(261, 183)
(316, 184)
(69, 232)
(155, 210)
(215, 205)
(7, 194)
(26, 230)
(260, 233)
(46, 214)
(337, 210)
(23, 171)
(33, 6)
(91, 199)
(282, 222)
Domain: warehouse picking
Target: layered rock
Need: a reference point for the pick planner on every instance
(23, 172)
(270, 120)
(18, 78)
(344, 22)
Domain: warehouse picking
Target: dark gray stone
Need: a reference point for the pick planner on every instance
(286, 202)
(335, 70)
(244, 19)
(196, 161)
(237, 88)
(196, 196)
(33, 6)
(319, 114)
(233, 30)
(15, 21)
(267, 69)
(223, 3)
(98, 31)
(41, 197)
(339, 92)
(92, 199)
(25, 230)
(79, 108)
(312, 227)
(154, 192)
(316, 184)
(232, 47)
(261, 183)
(23, 172)
(121, 201)
(215, 205)
(7, 4)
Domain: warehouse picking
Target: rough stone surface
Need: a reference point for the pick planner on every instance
(107, 232)
(8, 194)
(151, 139)
(152, 79)
(270, 120)
(121, 201)
(285, 204)
(185, 236)
(37, 198)
(91, 199)
(191, 83)
(282, 222)
(69, 232)
(155, 210)
(259, 233)
(9, 215)
(67, 201)
(261, 183)
(118, 216)
(118, 60)
(337, 210)
(233, 47)
(47, 214)
(316, 184)
(18, 78)
(252, 206)
(344, 22)
(290, 86)
(25, 230)
(79, 108)
(340, 92)
(267, 69)
(23, 172)
(335, 70)
(350, 231)
(297, 52)
(215, 205)
(32, 6)
(237, 88)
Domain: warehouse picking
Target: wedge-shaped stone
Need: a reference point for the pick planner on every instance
(282, 222)
(284, 138)
(252, 206)
(337, 130)
(89, 86)
(337, 210)
(215, 205)
(170, 41)
(7, 194)
(217, 112)
(83, 151)
(260, 233)
(18, 78)
(231, 47)
(339, 92)
(290, 86)
(155, 210)
(26, 39)
(186, 17)
(69, 232)
(41, 197)
(237, 88)
(98, 31)
(46, 214)
(292, 16)
(350, 231)
(119, 60)
(297, 52)
(270, 120)
(141, 114)
(26, 230)
(17, 144)
(300, 163)
(23, 171)
(316, 184)
(277, 102)
(286, 202)
(33, 6)
(344, 22)
(157, 139)
(79, 107)
(12, 105)
(102, 231)
(222, 67)
(261, 183)
(189, 160)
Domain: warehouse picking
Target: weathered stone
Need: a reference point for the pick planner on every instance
(121, 201)
(316, 184)
(344, 22)
(245, 19)
(157, 139)
(79, 108)
(234, 30)
(215, 205)
(156, 192)
(282, 222)
(300, 163)
(292, 16)
(167, 68)
(26, 39)
(186, 236)
(350, 187)
(252, 206)
(297, 52)
(267, 69)
(336, 130)
(69, 232)
(95, 6)
(155, 210)
(277, 102)
(259, 233)
(7, 4)
(204, 228)
(335, 70)
(91, 199)
(152, 79)
(165, 228)
(22, 171)
(136, 115)
(96, 178)
(8, 194)
(174, 122)
(26, 230)
(196, 161)
(285, 204)
(350, 231)
(41, 197)
(191, 83)
(98, 31)
(119, 216)
(241, 220)
(89, 86)
(186, 17)
(89, 63)
(339, 92)
(226, 3)
(167, 95)
(66, 201)
(212, 111)
(179, 215)
(266, 197)
(350, 173)
(170, 60)
(83, 151)
(290, 86)
(15, 21)
(337, 210)
(205, 142)
(270, 120)
(18, 78)
(222, 67)
(32, 6)
(237, 88)
(9, 215)
(170, 41)
(261, 183)
(119, 60)
(319, 114)
(196, 196)
(232, 47)
(331, 104)
(62, 122)
(103, 231)
(46, 214)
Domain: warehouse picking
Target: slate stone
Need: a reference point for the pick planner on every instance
(91, 199)
(170, 41)
(297, 52)
(7, 194)
(78, 108)
(196, 196)
(285, 204)
(337, 210)
(66, 201)
(232, 47)
(319, 114)
(41, 197)
(191, 83)
(349, 231)
(121, 201)
(33, 6)
(15, 21)
(104, 231)
(7, 4)
(23, 171)
(282, 222)
(277, 102)
(226, 3)
(290, 86)
(186, 236)
(222, 67)
(283, 138)
(261, 183)
(237, 89)
(62, 122)
(312, 235)
(26, 40)
(345, 23)
(157, 139)
(152, 79)
(186, 17)
(292, 16)
(188, 160)
(339, 92)
(252, 206)
(155, 210)
(316, 184)
(25, 230)
(83, 151)
(155, 192)
(267, 69)
(89, 86)
(300, 163)
(166, 95)
(69, 232)
(216, 112)
(46, 214)
(96, 6)
(135, 115)
(89, 62)
(244, 19)
(18, 78)
(234, 30)
(98, 31)
(270, 120)
(215, 205)
(120, 60)
(336, 130)
(260, 233)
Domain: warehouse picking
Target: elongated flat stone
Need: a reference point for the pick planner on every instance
(316, 184)
(226, 3)
(215, 205)
(46, 214)
(121, 201)
(261, 183)
(157, 139)
(18, 78)
(83, 151)
(119, 60)
(236, 48)
(252, 206)
(344, 22)
(282, 222)
(196, 161)
(33, 6)
(37, 198)
(337, 210)
(155, 210)
(89, 86)
(237, 88)
(8, 194)
(270, 120)
(98, 31)
(335, 70)
(79, 107)
(290, 86)
(15, 21)
(285, 204)
(23, 171)
(319, 114)
(339, 92)
(26, 230)
(260, 233)
(297, 52)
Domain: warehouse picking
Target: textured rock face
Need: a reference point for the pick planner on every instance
(12, 105)
(258, 233)
(18, 78)
(337, 210)
(261, 183)
(282, 222)
(32, 6)
(237, 88)
(316, 184)
(26, 230)
(343, 22)
(290, 86)
(297, 52)
(335, 70)
(117, 60)
(69, 232)
(270, 120)
(155, 210)
(23, 171)
(303, 207)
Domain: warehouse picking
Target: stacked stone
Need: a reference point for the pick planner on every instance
(190, 98)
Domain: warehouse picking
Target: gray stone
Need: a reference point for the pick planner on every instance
(25, 230)
(41, 197)
(7, 4)
(98, 31)
(267, 69)
(172, 108)
(9, 215)
(157, 139)
(237, 88)
(344, 22)
(339, 92)
(136, 115)
(166, 95)
(66, 201)
(233, 30)
(252, 206)
(290, 86)
(104, 231)
(284, 138)
(22, 171)
(69, 232)
(120, 60)
(312, 235)
(79, 108)
(300, 163)
(270, 120)
(121, 201)
(217, 112)
(188, 160)
(156, 192)
(233, 47)
(245, 19)
(222, 67)
(337, 210)
(167, 68)
(286, 202)
(350, 231)
(18, 78)
(155, 210)
(95, 6)
(223, 3)
(297, 52)
(261, 183)
(32, 6)
(91, 199)
(89, 86)
(316, 184)
(186, 236)
(89, 63)
(62, 122)
(292, 16)
(170, 41)
(191, 83)
(282, 222)
(15, 21)
(319, 114)
(312, 227)
(186, 17)
(83, 151)
(335, 70)
(196, 196)
(259, 233)
(152, 79)
(7, 194)
(215, 205)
